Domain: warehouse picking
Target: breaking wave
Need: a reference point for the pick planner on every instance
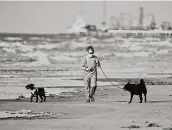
(38, 50)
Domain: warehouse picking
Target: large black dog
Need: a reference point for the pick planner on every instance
(136, 89)
(38, 92)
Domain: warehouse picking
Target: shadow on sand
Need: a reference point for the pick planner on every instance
(166, 101)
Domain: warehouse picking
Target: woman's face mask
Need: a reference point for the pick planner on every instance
(90, 53)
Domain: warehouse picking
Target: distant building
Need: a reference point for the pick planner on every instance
(141, 15)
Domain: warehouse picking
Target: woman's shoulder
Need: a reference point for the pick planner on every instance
(94, 56)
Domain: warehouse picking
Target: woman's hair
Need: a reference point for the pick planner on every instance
(90, 48)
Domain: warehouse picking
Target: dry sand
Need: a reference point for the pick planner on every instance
(110, 111)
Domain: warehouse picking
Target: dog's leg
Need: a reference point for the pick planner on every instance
(145, 96)
(141, 99)
(31, 97)
(44, 98)
(41, 98)
(37, 98)
(131, 98)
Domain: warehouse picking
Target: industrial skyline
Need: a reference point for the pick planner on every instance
(125, 21)
(58, 16)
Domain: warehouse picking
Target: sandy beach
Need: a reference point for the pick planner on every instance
(56, 67)
(43, 43)
(110, 111)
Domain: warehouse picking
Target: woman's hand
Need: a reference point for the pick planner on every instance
(87, 69)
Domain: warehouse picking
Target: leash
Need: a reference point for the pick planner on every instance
(109, 79)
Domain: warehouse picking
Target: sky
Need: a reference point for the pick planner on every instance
(58, 16)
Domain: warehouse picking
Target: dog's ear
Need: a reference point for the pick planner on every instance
(128, 82)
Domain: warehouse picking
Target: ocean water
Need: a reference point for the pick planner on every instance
(49, 50)
(53, 60)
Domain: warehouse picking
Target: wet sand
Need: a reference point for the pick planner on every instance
(110, 111)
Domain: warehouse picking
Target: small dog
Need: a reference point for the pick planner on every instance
(136, 89)
(38, 92)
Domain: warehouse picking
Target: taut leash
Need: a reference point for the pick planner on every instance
(109, 79)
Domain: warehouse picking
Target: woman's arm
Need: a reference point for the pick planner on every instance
(84, 64)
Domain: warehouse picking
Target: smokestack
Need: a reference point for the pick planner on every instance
(141, 15)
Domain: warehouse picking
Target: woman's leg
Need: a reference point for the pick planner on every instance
(87, 82)
(93, 87)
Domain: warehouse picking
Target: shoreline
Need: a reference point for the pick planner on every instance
(148, 81)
